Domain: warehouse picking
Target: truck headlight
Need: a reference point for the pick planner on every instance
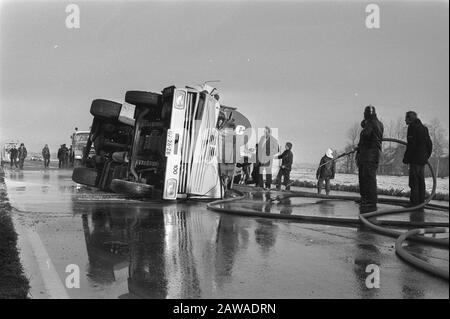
(171, 188)
(180, 97)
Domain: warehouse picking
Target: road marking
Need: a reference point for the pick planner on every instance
(52, 282)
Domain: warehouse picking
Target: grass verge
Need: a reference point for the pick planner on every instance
(13, 283)
(355, 189)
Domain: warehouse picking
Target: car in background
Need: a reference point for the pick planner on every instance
(79, 142)
(157, 145)
(36, 158)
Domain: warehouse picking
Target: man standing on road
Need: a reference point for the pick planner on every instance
(61, 157)
(368, 157)
(267, 148)
(71, 156)
(66, 156)
(286, 165)
(326, 171)
(22, 153)
(417, 153)
(46, 155)
(13, 152)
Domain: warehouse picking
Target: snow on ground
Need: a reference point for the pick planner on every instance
(384, 182)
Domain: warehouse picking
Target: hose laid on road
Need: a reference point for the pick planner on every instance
(402, 253)
(365, 219)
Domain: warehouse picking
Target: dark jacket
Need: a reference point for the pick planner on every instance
(13, 153)
(62, 153)
(286, 159)
(22, 152)
(328, 169)
(46, 152)
(419, 147)
(370, 139)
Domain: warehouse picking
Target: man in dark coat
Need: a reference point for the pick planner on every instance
(257, 178)
(13, 153)
(325, 171)
(368, 157)
(286, 165)
(61, 157)
(417, 153)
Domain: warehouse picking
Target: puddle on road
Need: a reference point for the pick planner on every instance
(132, 249)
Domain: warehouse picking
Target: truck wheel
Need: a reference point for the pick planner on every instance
(133, 189)
(85, 176)
(105, 109)
(143, 98)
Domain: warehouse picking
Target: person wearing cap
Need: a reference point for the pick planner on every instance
(22, 154)
(286, 165)
(368, 157)
(418, 151)
(326, 171)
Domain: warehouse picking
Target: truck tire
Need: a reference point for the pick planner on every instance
(143, 98)
(85, 176)
(132, 189)
(105, 109)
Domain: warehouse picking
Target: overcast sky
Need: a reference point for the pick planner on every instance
(307, 68)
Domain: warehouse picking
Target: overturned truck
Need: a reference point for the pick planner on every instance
(164, 145)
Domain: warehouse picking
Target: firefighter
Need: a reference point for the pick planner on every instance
(286, 165)
(326, 171)
(417, 153)
(367, 158)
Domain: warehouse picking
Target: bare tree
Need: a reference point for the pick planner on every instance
(439, 138)
(400, 129)
(353, 137)
(353, 134)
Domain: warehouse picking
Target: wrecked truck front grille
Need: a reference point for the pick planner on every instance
(186, 143)
(198, 146)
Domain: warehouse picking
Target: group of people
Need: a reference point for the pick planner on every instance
(418, 151)
(65, 156)
(17, 156)
(266, 150)
(368, 151)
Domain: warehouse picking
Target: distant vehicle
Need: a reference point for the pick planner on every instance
(79, 142)
(4, 152)
(36, 158)
(157, 145)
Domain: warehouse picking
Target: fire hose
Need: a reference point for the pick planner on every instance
(366, 219)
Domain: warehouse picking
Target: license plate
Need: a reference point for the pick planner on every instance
(170, 144)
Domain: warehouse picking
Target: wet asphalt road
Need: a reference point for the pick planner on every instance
(133, 249)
